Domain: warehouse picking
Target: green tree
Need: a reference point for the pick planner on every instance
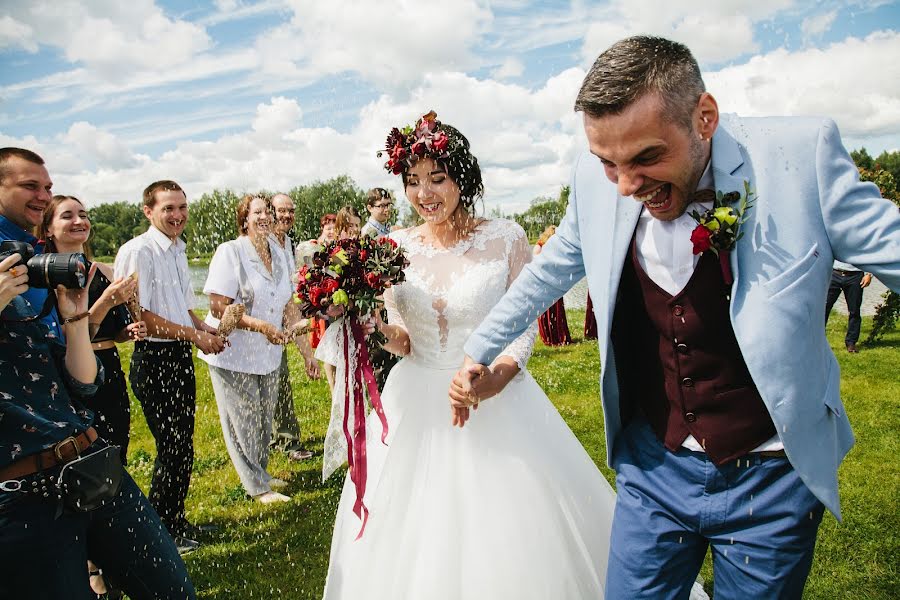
(890, 162)
(323, 197)
(888, 312)
(211, 221)
(862, 158)
(114, 224)
(543, 211)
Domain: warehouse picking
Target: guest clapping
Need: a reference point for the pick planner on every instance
(252, 271)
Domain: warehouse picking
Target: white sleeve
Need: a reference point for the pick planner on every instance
(519, 256)
(223, 272)
(390, 306)
(129, 260)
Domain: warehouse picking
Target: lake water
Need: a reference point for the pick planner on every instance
(577, 296)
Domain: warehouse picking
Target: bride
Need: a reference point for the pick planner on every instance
(511, 506)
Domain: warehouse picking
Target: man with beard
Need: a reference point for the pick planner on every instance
(720, 393)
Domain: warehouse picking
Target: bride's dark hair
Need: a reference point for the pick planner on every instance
(444, 144)
(462, 167)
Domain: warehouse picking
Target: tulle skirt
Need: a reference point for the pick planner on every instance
(510, 507)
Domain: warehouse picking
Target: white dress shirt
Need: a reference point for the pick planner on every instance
(236, 271)
(164, 281)
(666, 253)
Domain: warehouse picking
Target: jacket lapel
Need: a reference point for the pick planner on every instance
(729, 175)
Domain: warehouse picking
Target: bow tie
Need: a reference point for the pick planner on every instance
(704, 196)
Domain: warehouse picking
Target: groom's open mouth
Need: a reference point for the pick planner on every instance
(658, 199)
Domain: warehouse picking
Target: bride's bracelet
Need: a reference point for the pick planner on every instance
(77, 317)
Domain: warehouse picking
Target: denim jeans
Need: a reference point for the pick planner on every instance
(853, 294)
(755, 513)
(44, 557)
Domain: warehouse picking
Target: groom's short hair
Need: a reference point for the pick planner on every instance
(639, 65)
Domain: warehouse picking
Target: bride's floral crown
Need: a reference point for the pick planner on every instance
(405, 146)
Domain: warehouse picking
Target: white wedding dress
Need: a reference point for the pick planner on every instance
(510, 507)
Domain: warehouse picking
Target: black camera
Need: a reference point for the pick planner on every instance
(48, 270)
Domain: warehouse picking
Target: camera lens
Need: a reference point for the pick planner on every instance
(50, 270)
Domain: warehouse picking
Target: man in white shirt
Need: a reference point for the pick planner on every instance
(379, 204)
(721, 400)
(162, 368)
(285, 427)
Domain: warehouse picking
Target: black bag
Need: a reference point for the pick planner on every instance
(90, 480)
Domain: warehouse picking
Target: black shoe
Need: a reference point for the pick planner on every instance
(189, 530)
(185, 544)
(851, 348)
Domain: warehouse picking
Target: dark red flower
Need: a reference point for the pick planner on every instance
(373, 279)
(419, 148)
(701, 239)
(363, 255)
(314, 294)
(330, 285)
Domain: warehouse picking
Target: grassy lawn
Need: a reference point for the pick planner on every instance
(282, 551)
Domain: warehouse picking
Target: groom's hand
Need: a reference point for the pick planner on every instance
(462, 393)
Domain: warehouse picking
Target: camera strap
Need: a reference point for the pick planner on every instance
(46, 309)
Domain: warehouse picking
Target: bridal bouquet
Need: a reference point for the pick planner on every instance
(350, 275)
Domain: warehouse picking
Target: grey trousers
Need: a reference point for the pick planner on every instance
(285, 427)
(246, 403)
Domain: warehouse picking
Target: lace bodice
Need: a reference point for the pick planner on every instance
(448, 292)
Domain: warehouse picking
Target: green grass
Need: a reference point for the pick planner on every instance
(282, 551)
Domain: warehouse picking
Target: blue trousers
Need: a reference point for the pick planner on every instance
(43, 557)
(755, 513)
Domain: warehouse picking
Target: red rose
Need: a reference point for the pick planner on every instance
(419, 148)
(390, 241)
(396, 167)
(440, 141)
(701, 239)
(363, 255)
(314, 295)
(373, 279)
(330, 285)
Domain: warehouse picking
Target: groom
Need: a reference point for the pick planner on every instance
(723, 417)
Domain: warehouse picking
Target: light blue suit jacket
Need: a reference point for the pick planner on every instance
(811, 209)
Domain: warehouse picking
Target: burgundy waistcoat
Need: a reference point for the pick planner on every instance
(679, 364)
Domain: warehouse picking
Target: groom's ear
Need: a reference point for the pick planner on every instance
(706, 117)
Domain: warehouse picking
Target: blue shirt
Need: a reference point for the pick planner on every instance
(35, 296)
(39, 401)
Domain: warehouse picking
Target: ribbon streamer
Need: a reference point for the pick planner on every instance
(361, 378)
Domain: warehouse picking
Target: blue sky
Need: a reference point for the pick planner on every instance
(277, 93)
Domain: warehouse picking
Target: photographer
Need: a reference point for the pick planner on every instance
(51, 521)
(24, 192)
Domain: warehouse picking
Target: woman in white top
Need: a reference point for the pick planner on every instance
(250, 270)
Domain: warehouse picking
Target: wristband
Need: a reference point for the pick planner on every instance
(77, 317)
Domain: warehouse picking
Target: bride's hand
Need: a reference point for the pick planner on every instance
(463, 393)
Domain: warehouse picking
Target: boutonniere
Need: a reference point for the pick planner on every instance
(719, 228)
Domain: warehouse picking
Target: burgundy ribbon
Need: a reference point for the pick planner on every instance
(356, 443)
(726, 266)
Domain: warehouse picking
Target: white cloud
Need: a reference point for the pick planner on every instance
(111, 38)
(14, 34)
(718, 33)
(509, 69)
(95, 145)
(281, 115)
(817, 25)
(864, 99)
(389, 42)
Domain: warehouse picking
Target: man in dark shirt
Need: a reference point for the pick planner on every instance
(43, 426)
